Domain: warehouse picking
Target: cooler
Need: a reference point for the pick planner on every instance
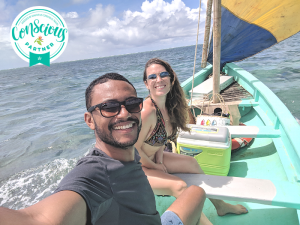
(210, 146)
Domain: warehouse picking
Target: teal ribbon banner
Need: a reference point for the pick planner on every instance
(39, 58)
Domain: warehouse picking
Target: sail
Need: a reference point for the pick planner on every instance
(250, 26)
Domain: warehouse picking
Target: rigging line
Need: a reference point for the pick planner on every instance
(195, 60)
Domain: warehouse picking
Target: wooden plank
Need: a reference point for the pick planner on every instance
(240, 103)
(248, 131)
(205, 89)
(279, 193)
(253, 132)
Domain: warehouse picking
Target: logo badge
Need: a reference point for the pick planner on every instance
(39, 35)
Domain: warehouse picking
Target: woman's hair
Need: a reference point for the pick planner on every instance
(175, 103)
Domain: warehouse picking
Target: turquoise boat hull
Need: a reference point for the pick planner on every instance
(266, 158)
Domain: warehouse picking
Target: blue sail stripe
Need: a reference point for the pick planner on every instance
(240, 39)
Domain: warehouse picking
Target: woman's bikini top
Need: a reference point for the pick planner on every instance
(159, 134)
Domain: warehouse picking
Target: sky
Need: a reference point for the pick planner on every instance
(99, 28)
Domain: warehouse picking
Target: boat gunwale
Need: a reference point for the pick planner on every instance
(282, 119)
(273, 113)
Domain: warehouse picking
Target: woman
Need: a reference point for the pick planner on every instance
(163, 114)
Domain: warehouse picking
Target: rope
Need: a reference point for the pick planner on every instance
(195, 60)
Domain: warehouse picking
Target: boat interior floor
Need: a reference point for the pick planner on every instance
(259, 160)
(235, 92)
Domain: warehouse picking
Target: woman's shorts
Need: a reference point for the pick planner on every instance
(170, 218)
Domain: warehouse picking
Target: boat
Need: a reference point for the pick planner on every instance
(274, 154)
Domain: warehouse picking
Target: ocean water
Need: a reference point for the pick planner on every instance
(42, 131)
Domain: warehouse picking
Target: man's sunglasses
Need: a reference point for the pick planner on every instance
(113, 108)
(162, 75)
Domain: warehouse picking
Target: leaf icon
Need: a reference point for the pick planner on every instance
(39, 40)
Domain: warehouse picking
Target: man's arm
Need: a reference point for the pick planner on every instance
(65, 207)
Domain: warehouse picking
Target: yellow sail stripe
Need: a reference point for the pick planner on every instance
(280, 17)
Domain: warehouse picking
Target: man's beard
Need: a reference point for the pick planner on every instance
(109, 139)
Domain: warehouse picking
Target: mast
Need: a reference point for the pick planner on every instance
(195, 58)
(216, 49)
(206, 34)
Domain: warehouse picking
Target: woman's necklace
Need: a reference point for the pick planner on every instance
(167, 120)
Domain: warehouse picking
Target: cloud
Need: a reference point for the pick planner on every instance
(4, 35)
(4, 14)
(98, 17)
(71, 15)
(79, 1)
(98, 32)
(8, 58)
(157, 22)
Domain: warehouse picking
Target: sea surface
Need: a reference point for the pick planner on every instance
(42, 131)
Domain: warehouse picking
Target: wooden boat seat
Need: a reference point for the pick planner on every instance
(277, 193)
(253, 132)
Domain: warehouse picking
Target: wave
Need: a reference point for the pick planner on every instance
(30, 186)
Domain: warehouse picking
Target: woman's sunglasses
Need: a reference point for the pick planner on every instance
(162, 75)
(113, 108)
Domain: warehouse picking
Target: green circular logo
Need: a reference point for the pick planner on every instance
(39, 35)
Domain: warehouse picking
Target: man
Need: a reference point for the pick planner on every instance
(108, 186)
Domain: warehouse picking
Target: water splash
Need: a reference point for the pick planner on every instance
(30, 186)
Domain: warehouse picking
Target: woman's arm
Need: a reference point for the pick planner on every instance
(159, 159)
(145, 160)
(148, 163)
(148, 117)
(159, 155)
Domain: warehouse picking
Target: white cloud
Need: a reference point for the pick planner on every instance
(8, 58)
(162, 7)
(71, 15)
(4, 34)
(159, 24)
(98, 17)
(157, 21)
(4, 11)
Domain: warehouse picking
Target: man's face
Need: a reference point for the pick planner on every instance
(122, 130)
